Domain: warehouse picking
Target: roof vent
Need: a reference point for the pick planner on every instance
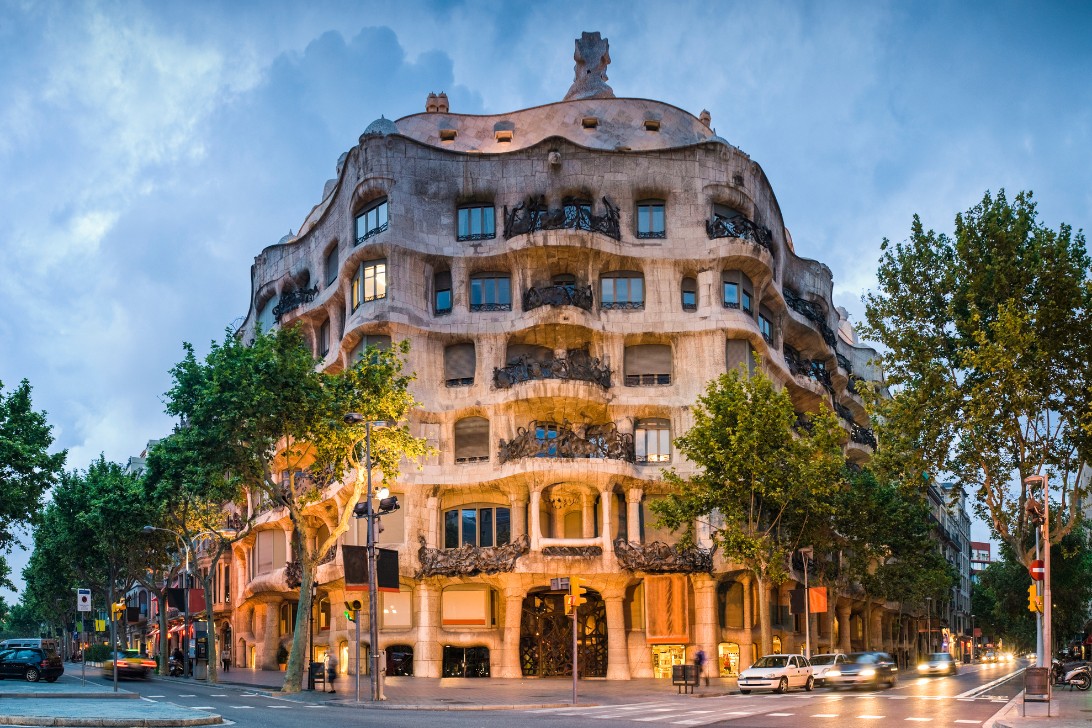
(652, 124)
(589, 122)
(503, 131)
(448, 135)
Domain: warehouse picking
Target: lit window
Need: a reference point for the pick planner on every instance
(372, 221)
(331, 266)
(650, 219)
(370, 282)
(476, 222)
(490, 292)
(622, 289)
(652, 440)
(484, 527)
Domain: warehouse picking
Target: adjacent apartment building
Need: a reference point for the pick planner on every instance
(569, 277)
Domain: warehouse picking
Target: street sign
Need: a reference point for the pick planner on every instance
(83, 600)
(559, 584)
(1037, 570)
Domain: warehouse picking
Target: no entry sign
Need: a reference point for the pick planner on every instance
(1037, 570)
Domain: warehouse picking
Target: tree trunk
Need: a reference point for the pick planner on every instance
(294, 671)
(765, 632)
(206, 584)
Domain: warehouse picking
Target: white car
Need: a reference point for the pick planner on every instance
(777, 673)
(820, 664)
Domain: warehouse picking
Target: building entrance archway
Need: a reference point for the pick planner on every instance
(546, 636)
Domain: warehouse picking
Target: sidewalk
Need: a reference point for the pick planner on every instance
(1069, 709)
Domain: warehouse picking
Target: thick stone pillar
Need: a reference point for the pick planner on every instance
(706, 627)
(513, 614)
(519, 515)
(617, 644)
(432, 532)
(269, 636)
(844, 643)
(536, 507)
(633, 516)
(427, 656)
(605, 498)
(746, 644)
(587, 515)
(875, 631)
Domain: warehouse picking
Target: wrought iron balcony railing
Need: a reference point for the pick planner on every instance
(577, 365)
(811, 368)
(662, 558)
(574, 215)
(468, 560)
(552, 440)
(739, 227)
(563, 295)
(862, 436)
(812, 312)
(647, 380)
(293, 300)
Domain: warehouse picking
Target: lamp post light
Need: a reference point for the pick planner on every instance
(369, 512)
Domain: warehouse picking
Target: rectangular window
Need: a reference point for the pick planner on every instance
(652, 441)
(485, 528)
(490, 293)
(370, 282)
(625, 291)
(765, 329)
(324, 338)
(470, 530)
(451, 530)
(731, 295)
(747, 302)
(371, 221)
(476, 222)
(650, 220)
(331, 266)
(442, 284)
(504, 526)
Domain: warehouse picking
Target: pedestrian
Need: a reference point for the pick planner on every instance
(225, 657)
(699, 662)
(331, 669)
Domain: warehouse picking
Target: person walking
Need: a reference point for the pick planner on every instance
(225, 657)
(331, 669)
(699, 662)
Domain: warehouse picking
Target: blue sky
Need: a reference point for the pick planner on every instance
(149, 151)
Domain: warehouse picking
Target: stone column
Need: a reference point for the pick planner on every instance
(427, 657)
(513, 615)
(587, 516)
(519, 515)
(617, 644)
(536, 506)
(432, 532)
(270, 637)
(605, 499)
(844, 643)
(706, 626)
(633, 517)
(876, 628)
(746, 644)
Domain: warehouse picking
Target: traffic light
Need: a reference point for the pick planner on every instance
(577, 593)
(1035, 604)
(117, 610)
(352, 609)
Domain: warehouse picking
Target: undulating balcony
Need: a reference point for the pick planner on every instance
(558, 295)
(740, 227)
(576, 365)
(812, 312)
(294, 299)
(534, 214)
(553, 440)
(810, 368)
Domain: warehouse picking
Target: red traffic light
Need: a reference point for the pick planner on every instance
(1037, 570)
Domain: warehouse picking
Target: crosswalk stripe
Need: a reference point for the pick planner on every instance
(920, 720)
(825, 715)
(870, 717)
(779, 715)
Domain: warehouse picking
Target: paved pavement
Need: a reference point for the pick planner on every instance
(1069, 708)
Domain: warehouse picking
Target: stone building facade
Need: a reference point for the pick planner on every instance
(569, 278)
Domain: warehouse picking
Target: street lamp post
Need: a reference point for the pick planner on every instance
(974, 640)
(1047, 650)
(353, 418)
(805, 554)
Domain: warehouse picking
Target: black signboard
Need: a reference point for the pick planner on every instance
(356, 568)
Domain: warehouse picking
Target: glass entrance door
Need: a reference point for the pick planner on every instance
(666, 656)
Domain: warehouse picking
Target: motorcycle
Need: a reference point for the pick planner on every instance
(174, 668)
(1076, 674)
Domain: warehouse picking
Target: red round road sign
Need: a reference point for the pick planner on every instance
(1037, 570)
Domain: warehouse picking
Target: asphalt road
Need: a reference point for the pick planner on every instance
(965, 700)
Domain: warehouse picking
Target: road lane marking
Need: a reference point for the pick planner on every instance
(243, 707)
(921, 720)
(155, 696)
(187, 696)
(278, 707)
(983, 688)
(779, 715)
(870, 717)
(825, 715)
(202, 707)
(974, 722)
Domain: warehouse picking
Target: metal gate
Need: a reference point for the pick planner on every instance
(546, 636)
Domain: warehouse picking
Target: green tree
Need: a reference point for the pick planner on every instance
(758, 480)
(27, 469)
(260, 410)
(987, 337)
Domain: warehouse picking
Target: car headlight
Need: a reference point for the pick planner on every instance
(833, 672)
(868, 672)
(922, 667)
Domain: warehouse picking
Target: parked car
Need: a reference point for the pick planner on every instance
(31, 664)
(130, 664)
(864, 668)
(821, 664)
(777, 673)
(938, 663)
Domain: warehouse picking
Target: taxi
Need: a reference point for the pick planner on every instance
(130, 664)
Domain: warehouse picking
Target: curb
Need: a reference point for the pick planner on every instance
(72, 696)
(208, 719)
(455, 708)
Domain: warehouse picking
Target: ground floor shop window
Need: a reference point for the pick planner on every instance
(466, 661)
(776, 645)
(728, 659)
(400, 660)
(666, 656)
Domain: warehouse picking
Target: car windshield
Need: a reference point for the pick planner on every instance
(772, 661)
(824, 659)
(864, 658)
(940, 656)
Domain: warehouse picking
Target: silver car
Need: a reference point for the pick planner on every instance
(820, 664)
(938, 663)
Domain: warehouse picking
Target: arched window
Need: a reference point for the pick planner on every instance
(623, 289)
(378, 342)
(650, 219)
(266, 319)
(648, 365)
(372, 220)
(472, 440)
(459, 364)
(689, 294)
(288, 618)
(490, 292)
(441, 292)
(737, 290)
(652, 439)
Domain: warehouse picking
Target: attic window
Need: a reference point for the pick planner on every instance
(448, 135)
(652, 124)
(503, 135)
(590, 122)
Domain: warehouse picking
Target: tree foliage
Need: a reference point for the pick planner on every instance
(264, 419)
(987, 338)
(759, 482)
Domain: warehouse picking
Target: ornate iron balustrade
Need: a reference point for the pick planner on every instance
(598, 441)
(662, 558)
(842, 411)
(851, 386)
(576, 365)
(648, 380)
(373, 232)
(803, 423)
(579, 296)
(293, 300)
(812, 312)
(491, 307)
(293, 572)
(573, 215)
(844, 363)
(622, 305)
(739, 227)
(573, 552)
(468, 560)
(862, 436)
(811, 368)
